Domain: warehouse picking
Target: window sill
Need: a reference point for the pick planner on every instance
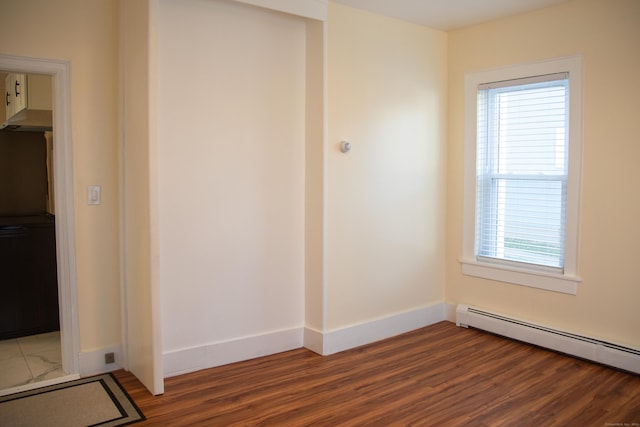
(562, 283)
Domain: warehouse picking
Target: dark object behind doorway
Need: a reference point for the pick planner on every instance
(28, 276)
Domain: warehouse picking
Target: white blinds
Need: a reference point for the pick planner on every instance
(521, 170)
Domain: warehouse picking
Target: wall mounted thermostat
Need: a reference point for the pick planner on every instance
(345, 146)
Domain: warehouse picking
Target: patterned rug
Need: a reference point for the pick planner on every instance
(92, 401)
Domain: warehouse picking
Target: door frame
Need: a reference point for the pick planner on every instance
(63, 193)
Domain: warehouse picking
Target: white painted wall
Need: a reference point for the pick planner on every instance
(140, 302)
(315, 177)
(231, 174)
(386, 198)
(231, 171)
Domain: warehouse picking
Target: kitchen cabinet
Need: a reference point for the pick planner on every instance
(15, 94)
(25, 93)
(28, 276)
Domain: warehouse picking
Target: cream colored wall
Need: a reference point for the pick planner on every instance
(231, 171)
(141, 289)
(315, 177)
(84, 33)
(386, 198)
(607, 34)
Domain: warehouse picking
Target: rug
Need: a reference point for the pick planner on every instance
(93, 401)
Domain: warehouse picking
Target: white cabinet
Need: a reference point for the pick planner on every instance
(28, 100)
(15, 93)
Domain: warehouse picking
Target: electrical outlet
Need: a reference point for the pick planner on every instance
(94, 195)
(109, 358)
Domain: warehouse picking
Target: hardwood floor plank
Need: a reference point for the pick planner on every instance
(438, 375)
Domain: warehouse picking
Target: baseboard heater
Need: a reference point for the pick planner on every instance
(596, 350)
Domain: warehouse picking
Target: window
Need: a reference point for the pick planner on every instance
(521, 171)
(522, 174)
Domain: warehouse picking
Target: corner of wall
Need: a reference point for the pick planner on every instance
(93, 362)
(377, 329)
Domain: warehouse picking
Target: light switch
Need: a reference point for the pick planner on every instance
(93, 195)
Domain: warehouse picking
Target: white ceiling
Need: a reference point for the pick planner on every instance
(449, 14)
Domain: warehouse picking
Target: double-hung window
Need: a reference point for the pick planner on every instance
(522, 174)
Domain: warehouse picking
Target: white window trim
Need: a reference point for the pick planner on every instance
(566, 282)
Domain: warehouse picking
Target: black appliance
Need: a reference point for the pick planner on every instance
(28, 276)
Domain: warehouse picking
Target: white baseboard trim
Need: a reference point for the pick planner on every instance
(450, 312)
(208, 356)
(187, 360)
(375, 330)
(313, 340)
(92, 362)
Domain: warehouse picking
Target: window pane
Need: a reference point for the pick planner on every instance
(521, 173)
(527, 224)
(531, 133)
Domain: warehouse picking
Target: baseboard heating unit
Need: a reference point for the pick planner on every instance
(599, 351)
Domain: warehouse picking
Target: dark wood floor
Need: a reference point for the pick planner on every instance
(440, 375)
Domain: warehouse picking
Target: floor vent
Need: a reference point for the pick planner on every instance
(607, 353)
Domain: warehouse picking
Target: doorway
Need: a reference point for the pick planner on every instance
(64, 221)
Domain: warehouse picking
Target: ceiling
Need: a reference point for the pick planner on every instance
(449, 14)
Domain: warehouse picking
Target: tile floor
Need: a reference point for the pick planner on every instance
(27, 360)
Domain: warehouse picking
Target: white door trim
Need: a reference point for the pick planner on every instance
(63, 191)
